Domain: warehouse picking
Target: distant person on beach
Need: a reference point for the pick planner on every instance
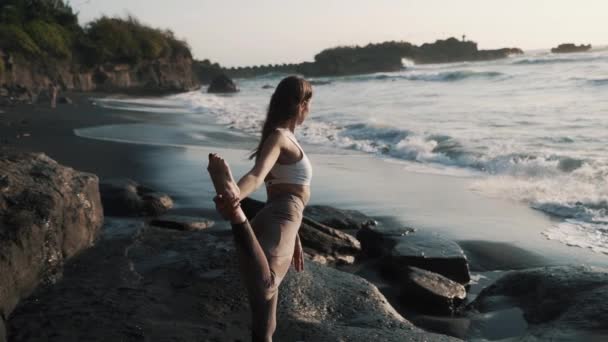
(268, 244)
(53, 90)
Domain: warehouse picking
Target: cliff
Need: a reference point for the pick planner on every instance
(41, 42)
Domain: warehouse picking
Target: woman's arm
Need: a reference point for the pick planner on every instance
(271, 149)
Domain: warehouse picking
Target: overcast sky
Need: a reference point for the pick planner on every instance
(253, 32)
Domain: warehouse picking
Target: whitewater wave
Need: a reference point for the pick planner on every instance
(553, 59)
(599, 82)
(445, 76)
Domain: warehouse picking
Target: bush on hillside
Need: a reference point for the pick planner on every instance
(129, 41)
(13, 38)
(50, 38)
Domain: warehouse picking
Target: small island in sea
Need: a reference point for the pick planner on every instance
(570, 48)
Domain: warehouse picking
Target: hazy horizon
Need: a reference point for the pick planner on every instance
(240, 33)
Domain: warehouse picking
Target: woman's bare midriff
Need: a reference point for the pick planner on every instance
(276, 190)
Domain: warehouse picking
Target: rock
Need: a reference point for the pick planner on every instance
(125, 197)
(430, 292)
(570, 48)
(48, 213)
(337, 218)
(185, 223)
(559, 303)
(160, 285)
(331, 244)
(322, 242)
(324, 304)
(267, 86)
(399, 247)
(222, 84)
(65, 100)
(377, 241)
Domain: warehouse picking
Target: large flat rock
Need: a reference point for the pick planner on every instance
(561, 303)
(143, 283)
(404, 246)
(48, 214)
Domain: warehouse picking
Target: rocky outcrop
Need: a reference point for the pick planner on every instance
(125, 197)
(338, 218)
(150, 284)
(48, 213)
(222, 84)
(321, 242)
(404, 246)
(429, 292)
(381, 57)
(570, 48)
(559, 303)
(178, 222)
(328, 245)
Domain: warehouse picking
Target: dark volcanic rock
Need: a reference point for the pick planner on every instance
(569, 48)
(399, 247)
(560, 303)
(430, 292)
(323, 243)
(65, 100)
(48, 213)
(125, 197)
(147, 284)
(186, 223)
(328, 244)
(378, 241)
(222, 84)
(337, 218)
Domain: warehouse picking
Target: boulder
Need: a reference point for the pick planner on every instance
(323, 243)
(48, 213)
(559, 302)
(405, 246)
(185, 223)
(377, 241)
(65, 100)
(328, 244)
(125, 197)
(338, 218)
(151, 284)
(429, 292)
(222, 84)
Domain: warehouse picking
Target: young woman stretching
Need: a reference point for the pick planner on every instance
(268, 244)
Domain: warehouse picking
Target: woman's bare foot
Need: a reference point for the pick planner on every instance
(222, 177)
(227, 199)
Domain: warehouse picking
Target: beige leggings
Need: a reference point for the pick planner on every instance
(265, 250)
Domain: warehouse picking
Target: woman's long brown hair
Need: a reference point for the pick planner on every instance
(284, 105)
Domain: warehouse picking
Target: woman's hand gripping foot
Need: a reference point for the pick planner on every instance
(227, 201)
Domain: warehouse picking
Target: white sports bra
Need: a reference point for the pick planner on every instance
(299, 173)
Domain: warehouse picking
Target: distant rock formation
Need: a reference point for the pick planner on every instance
(222, 84)
(381, 57)
(569, 48)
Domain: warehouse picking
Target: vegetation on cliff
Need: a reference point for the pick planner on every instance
(49, 29)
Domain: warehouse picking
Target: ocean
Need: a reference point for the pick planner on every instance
(531, 129)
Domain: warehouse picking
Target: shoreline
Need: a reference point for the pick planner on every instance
(455, 212)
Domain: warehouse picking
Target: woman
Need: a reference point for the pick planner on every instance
(270, 243)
